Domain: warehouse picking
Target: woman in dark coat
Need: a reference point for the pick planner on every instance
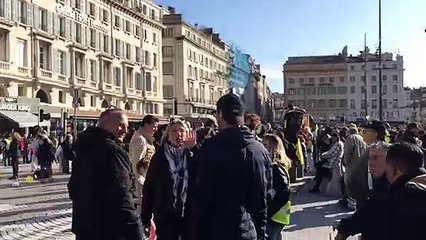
(165, 192)
(46, 156)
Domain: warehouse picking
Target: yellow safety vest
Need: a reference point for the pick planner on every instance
(299, 152)
(283, 215)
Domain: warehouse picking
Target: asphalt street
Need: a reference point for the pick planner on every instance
(43, 210)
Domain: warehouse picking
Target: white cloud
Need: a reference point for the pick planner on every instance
(414, 53)
(274, 76)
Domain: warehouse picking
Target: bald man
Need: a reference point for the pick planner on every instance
(102, 184)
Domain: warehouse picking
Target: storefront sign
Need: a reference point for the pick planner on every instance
(81, 18)
(14, 107)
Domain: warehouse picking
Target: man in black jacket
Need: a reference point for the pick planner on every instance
(407, 209)
(102, 184)
(233, 178)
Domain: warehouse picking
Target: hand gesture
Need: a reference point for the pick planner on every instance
(191, 139)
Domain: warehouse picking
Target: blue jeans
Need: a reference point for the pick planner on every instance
(274, 230)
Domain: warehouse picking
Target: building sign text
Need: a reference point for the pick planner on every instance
(81, 18)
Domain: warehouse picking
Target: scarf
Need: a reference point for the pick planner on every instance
(177, 162)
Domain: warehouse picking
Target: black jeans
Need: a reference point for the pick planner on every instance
(322, 172)
(15, 164)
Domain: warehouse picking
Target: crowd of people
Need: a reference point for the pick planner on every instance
(222, 180)
(230, 177)
(37, 149)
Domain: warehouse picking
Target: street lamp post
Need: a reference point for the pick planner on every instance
(380, 63)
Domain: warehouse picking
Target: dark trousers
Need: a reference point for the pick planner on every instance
(25, 156)
(273, 230)
(322, 172)
(15, 165)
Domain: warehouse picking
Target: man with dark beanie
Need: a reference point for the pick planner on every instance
(233, 178)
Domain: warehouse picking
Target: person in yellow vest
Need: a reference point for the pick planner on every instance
(279, 203)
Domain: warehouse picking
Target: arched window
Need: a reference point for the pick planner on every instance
(127, 106)
(104, 104)
(43, 96)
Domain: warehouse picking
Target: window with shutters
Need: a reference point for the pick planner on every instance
(77, 4)
(60, 62)
(167, 91)
(44, 52)
(147, 58)
(138, 54)
(153, 15)
(4, 46)
(395, 89)
(79, 64)
(374, 104)
(138, 31)
(154, 59)
(61, 96)
(92, 10)
(154, 84)
(106, 72)
(22, 11)
(129, 77)
(117, 76)
(92, 101)
(21, 91)
(117, 46)
(138, 81)
(128, 51)
(78, 33)
(62, 27)
(106, 43)
(2, 8)
(145, 35)
(168, 32)
(117, 21)
(128, 27)
(374, 89)
(167, 51)
(168, 68)
(105, 16)
(93, 38)
(154, 38)
(43, 19)
(21, 53)
(92, 70)
(144, 9)
(148, 82)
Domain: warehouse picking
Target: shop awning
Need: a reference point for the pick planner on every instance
(23, 119)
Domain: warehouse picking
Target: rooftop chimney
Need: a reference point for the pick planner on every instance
(172, 10)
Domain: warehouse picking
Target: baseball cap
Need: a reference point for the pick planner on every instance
(230, 104)
(377, 126)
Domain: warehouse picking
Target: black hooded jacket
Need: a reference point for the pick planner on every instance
(407, 206)
(231, 188)
(102, 189)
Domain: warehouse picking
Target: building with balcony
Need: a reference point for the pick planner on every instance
(195, 67)
(109, 50)
(334, 86)
(393, 93)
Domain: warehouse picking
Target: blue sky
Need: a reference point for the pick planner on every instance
(273, 30)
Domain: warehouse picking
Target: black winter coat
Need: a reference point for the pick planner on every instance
(233, 179)
(407, 208)
(102, 189)
(158, 198)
